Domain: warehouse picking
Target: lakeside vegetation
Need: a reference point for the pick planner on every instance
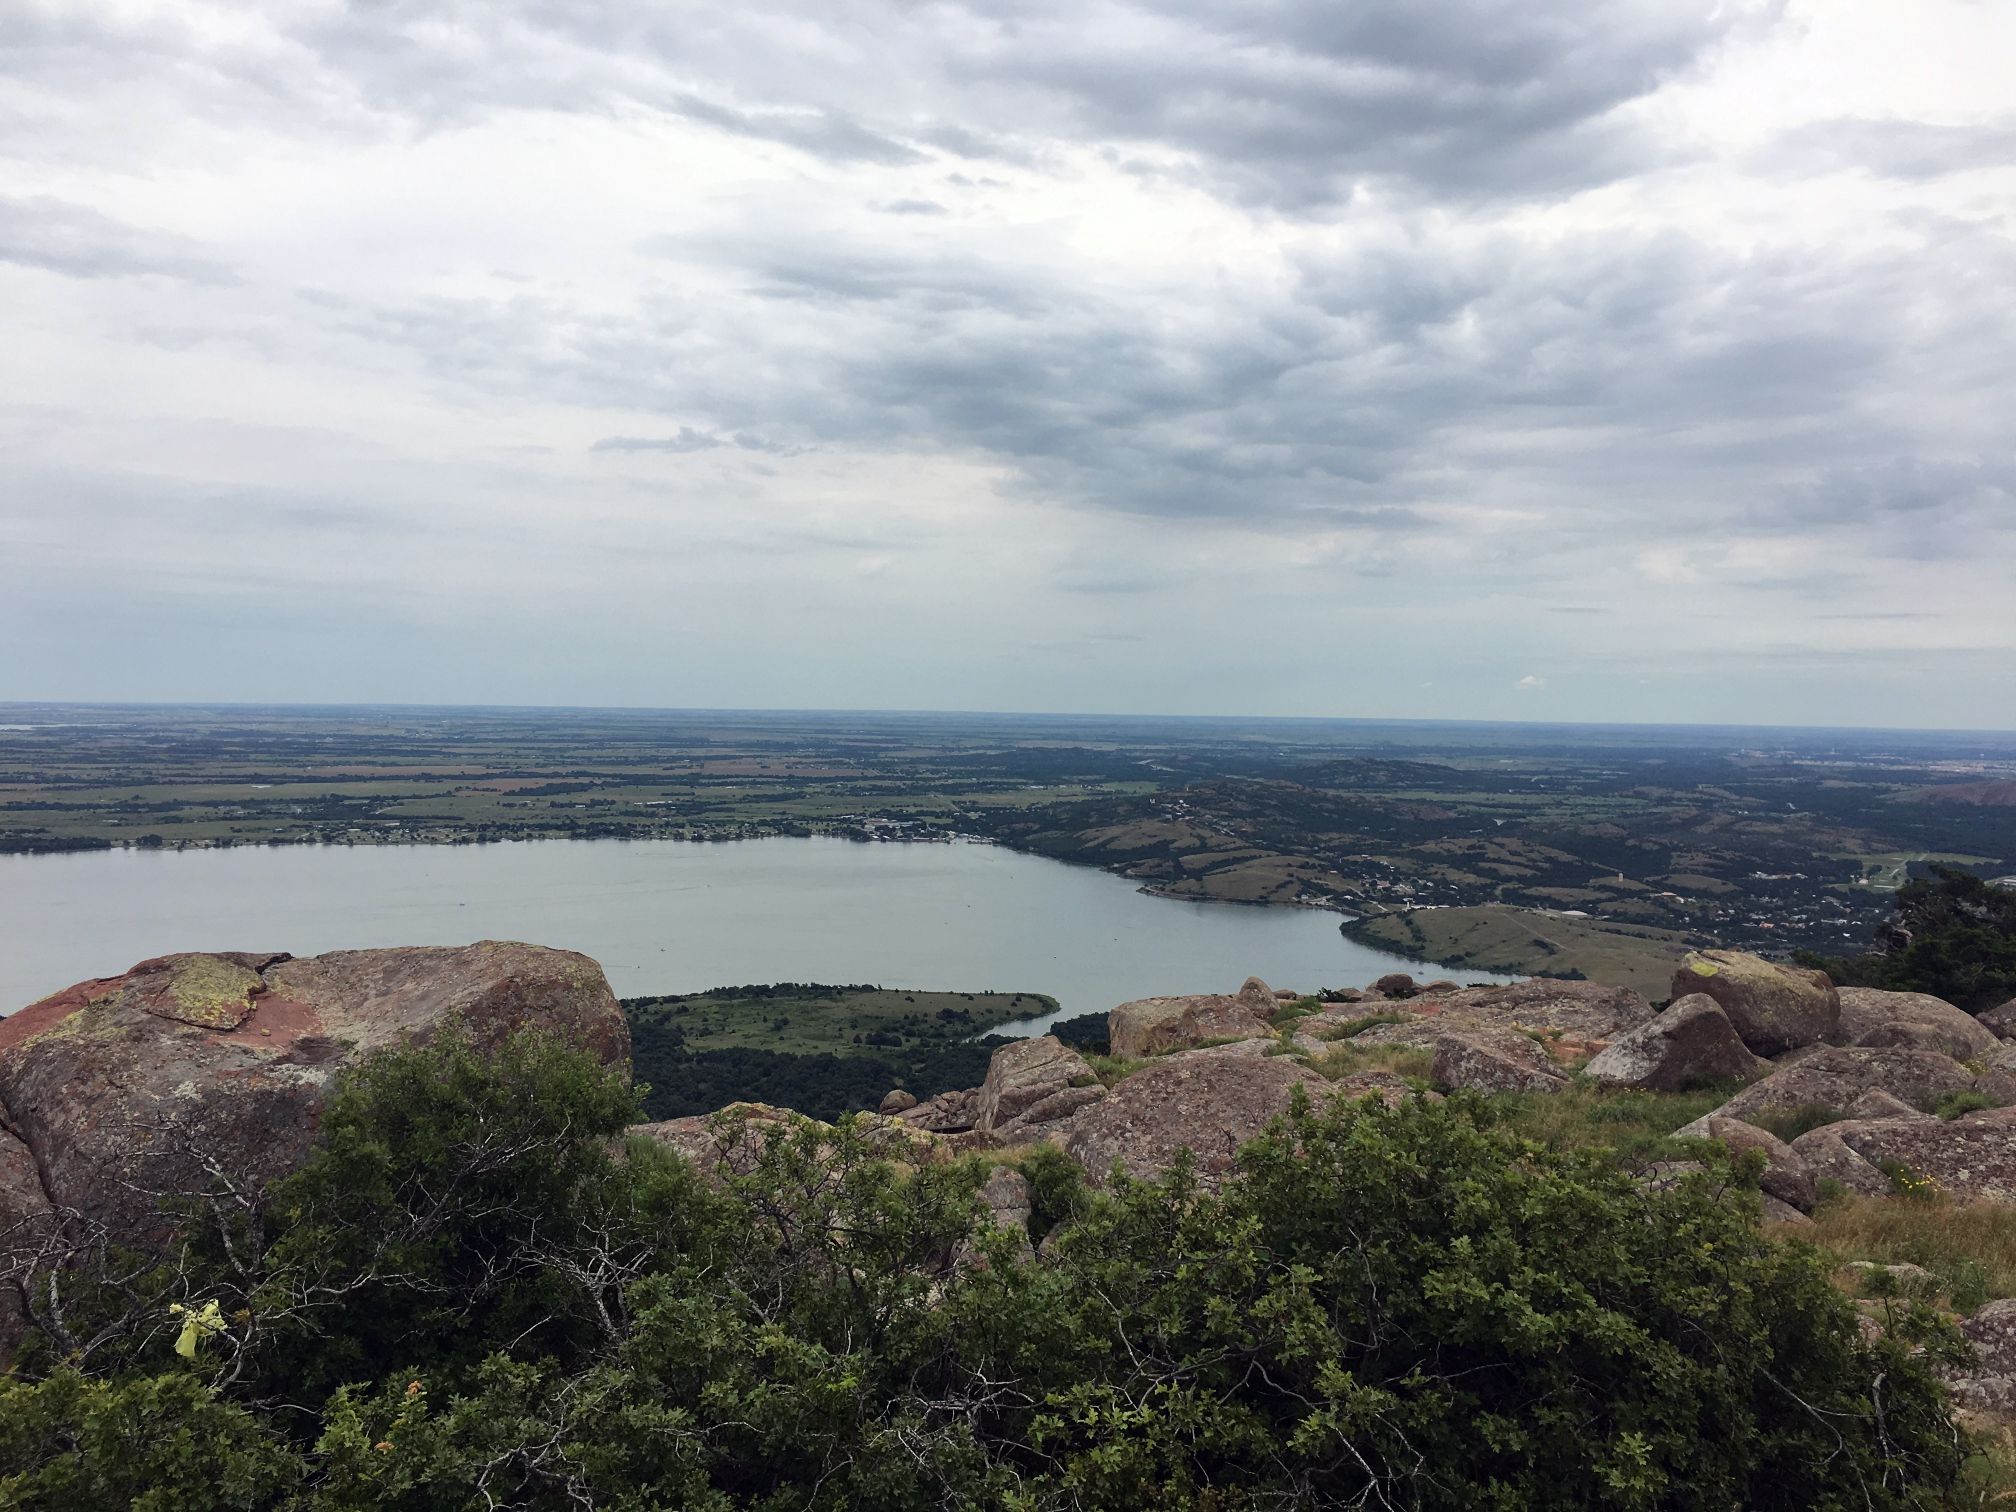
(474, 1294)
(822, 1050)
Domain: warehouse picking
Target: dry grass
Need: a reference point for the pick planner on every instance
(1970, 1247)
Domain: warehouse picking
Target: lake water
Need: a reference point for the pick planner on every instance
(667, 916)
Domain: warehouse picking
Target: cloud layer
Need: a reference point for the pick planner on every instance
(1638, 360)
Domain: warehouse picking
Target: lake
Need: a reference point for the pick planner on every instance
(666, 916)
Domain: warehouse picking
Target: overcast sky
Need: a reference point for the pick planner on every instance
(1523, 359)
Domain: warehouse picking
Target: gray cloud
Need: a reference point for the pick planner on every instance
(690, 440)
(1302, 311)
(1898, 149)
(1290, 104)
(824, 134)
(79, 242)
(687, 440)
(1418, 368)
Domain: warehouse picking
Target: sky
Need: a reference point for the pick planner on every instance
(1502, 359)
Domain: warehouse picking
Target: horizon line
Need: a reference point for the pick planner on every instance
(1306, 719)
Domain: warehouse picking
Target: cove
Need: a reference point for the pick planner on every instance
(665, 916)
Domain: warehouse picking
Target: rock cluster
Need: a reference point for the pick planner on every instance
(1150, 1026)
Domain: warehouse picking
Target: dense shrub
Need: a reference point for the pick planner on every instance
(474, 1295)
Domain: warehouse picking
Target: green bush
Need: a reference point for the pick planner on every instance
(476, 1295)
(1966, 1100)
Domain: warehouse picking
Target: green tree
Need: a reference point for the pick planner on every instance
(1950, 934)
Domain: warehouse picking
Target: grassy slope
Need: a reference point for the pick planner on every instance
(1519, 940)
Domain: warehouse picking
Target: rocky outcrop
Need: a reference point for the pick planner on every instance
(1786, 1177)
(727, 1142)
(943, 1113)
(1829, 1158)
(897, 1101)
(1151, 1026)
(1988, 1385)
(1388, 1087)
(1910, 1020)
(1207, 1102)
(1774, 1008)
(1972, 1157)
(1032, 1085)
(1876, 1103)
(1487, 1059)
(1580, 1013)
(189, 1068)
(1395, 984)
(1006, 1205)
(1835, 1078)
(1691, 1044)
(1999, 1021)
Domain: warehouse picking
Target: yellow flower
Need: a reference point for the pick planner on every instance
(197, 1325)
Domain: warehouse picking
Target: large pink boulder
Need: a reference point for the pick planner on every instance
(188, 1065)
(1209, 1102)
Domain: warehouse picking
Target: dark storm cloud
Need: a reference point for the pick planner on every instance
(42, 232)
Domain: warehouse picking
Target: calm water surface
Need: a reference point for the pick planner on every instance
(672, 916)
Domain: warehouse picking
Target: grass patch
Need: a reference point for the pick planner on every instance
(1341, 1060)
(1289, 1013)
(1789, 1123)
(1587, 1115)
(1115, 1068)
(1990, 1478)
(1969, 1247)
(1954, 1104)
(1351, 1028)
